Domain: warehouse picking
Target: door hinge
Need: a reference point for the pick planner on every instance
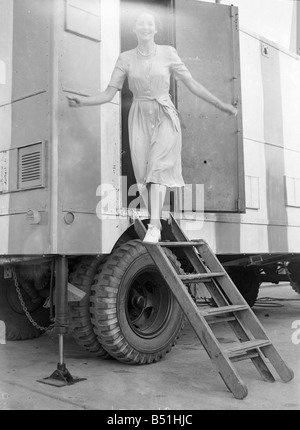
(235, 17)
(238, 205)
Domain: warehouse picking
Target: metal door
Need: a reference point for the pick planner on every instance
(207, 41)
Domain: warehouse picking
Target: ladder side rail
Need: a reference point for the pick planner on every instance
(203, 331)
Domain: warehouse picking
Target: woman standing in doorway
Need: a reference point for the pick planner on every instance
(154, 127)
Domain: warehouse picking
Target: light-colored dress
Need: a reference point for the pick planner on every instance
(154, 127)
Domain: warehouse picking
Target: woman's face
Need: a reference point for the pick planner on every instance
(145, 27)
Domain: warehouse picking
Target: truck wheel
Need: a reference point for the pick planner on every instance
(294, 270)
(247, 283)
(296, 286)
(17, 325)
(79, 312)
(134, 313)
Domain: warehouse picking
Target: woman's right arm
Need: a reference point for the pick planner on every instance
(99, 99)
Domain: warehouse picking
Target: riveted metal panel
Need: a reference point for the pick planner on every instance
(207, 41)
(78, 136)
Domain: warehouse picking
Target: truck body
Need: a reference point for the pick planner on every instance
(66, 176)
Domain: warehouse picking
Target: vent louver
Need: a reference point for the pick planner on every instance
(31, 166)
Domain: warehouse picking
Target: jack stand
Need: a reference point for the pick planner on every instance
(61, 376)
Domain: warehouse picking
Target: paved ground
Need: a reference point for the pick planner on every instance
(184, 380)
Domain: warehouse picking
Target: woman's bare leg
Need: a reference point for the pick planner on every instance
(157, 194)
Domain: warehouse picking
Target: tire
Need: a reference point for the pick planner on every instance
(17, 325)
(294, 269)
(79, 312)
(246, 282)
(135, 316)
(296, 286)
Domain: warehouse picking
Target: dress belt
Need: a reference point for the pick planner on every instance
(167, 105)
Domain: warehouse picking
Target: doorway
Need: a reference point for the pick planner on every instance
(163, 9)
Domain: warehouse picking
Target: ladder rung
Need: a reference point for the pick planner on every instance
(180, 244)
(244, 347)
(247, 356)
(220, 320)
(200, 277)
(224, 310)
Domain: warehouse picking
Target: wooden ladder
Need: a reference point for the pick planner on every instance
(253, 342)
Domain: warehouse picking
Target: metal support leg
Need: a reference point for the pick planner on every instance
(61, 376)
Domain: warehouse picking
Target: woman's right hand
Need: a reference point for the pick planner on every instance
(75, 101)
(228, 108)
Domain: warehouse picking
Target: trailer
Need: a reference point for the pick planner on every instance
(68, 246)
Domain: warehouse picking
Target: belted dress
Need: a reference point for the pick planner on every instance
(154, 128)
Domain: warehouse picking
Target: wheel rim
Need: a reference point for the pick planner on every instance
(149, 304)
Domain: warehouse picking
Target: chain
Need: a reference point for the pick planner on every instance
(34, 323)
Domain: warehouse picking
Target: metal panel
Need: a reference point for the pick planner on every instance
(298, 27)
(78, 139)
(6, 46)
(79, 159)
(80, 65)
(23, 238)
(89, 6)
(83, 18)
(30, 47)
(4, 171)
(207, 41)
(30, 121)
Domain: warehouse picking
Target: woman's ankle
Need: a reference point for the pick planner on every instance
(156, 223)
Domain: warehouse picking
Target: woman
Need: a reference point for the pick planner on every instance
(154, 127)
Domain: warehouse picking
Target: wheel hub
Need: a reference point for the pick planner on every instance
(148, 305)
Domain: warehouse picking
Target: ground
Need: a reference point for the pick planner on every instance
(184, 380)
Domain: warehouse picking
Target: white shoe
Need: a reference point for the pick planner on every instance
(152, 235)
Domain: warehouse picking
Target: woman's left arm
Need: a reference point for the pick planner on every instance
(200, 91)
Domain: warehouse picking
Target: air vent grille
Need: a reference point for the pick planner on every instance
(31, 166)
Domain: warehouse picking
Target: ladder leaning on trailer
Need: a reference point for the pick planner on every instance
(253, 342)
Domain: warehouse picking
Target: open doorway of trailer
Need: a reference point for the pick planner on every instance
(206, 36)
(163, 10)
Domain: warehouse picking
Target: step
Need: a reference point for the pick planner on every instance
(181, 244)
(244, 347)
(247, 356)
(201, 277)
(220, 320)
(224, 310)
